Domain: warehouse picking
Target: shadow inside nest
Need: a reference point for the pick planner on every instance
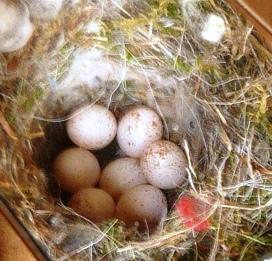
(54, 142)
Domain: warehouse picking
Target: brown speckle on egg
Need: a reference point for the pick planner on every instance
(138, 128)
(164, 164)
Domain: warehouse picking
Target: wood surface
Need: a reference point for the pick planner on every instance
(12, 247)
(259, 13)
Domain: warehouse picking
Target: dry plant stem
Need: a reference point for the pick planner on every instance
(7, 127)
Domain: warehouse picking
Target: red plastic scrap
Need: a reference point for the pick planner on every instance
(193, 213)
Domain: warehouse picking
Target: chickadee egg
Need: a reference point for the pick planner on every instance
(92, 127)
(144, 204)
(164, 164)
(76, 168)
(138, 128)
(44, 9)
(93, 203)
(121, 175)
(15, 27)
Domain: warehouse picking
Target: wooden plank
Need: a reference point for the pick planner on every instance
(259, 12)
(16, 244)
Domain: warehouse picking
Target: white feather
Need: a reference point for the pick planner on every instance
(90, 68)
(213, 29)
(93, 27)
(15, 26)
(44, 9)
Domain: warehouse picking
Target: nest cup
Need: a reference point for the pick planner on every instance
(214, 101)
(69, 232)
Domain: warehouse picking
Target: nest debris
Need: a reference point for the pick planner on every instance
(215, 100)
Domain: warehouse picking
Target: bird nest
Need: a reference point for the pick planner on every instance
(213, 94)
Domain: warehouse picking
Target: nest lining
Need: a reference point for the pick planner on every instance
(215, 101)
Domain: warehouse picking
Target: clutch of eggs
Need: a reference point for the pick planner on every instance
(129, 187)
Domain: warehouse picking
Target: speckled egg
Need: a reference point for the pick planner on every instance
(76, 168)
(144, 204)
(137, 128)
(94, 204)
(92, 127)
(121, 175)
(164, 164)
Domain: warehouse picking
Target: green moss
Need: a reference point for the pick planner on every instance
(181, 65)
(27, 103)
(264, 126)
(173, 9)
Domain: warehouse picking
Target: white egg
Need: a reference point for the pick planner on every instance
(164, 164)
(137, 129)
(44, 9)
(76, 168)
(94, 204)
(121, 175)
(144, 204)
(15, 26)
(92, 127)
